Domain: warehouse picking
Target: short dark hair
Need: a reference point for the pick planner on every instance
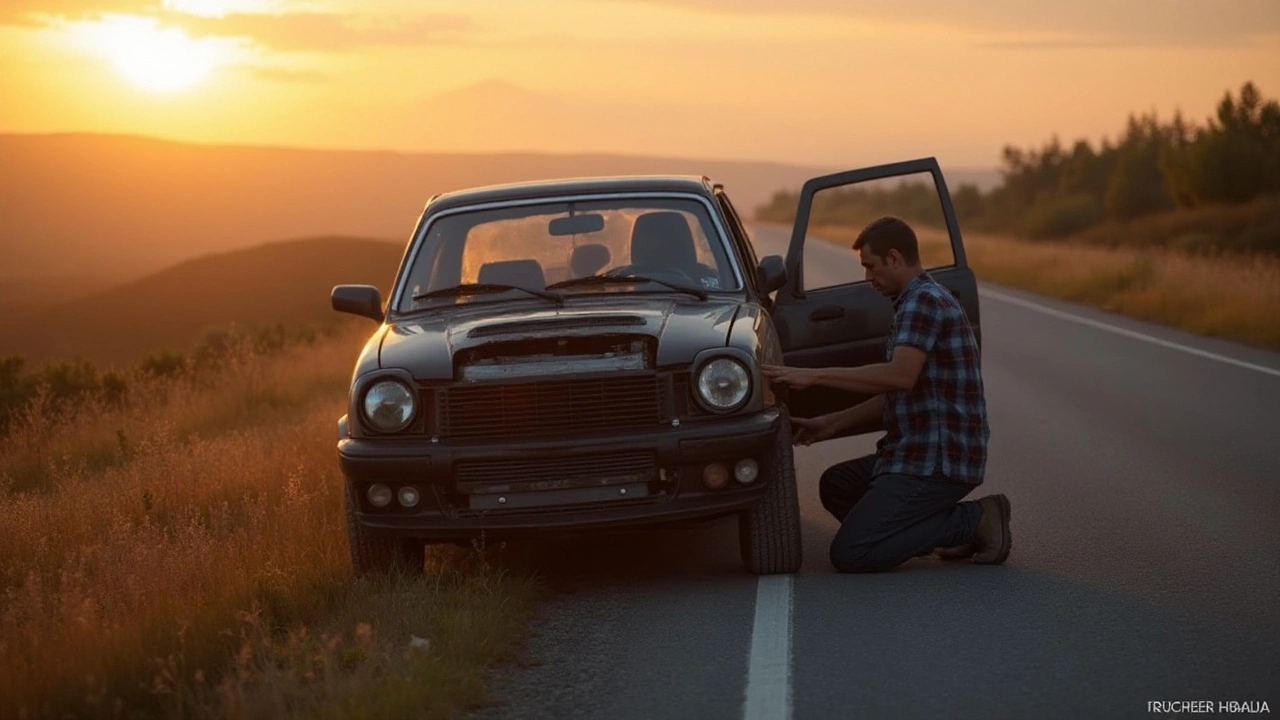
(889, 233)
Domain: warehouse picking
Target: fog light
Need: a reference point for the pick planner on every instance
(408, 496)
(379, 495)
(746, 471)
(715, 476)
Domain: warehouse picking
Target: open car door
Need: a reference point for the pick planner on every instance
(827, 314)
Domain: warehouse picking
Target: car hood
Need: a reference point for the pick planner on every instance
(425, 345)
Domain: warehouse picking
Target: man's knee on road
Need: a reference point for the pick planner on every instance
(859, 559)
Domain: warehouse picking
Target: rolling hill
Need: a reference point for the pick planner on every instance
(112, 247)
(112, 205)
(286, 282)
(22, 294)
(127, 206)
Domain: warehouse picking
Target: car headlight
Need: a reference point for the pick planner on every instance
(389, 405)
(724, 384)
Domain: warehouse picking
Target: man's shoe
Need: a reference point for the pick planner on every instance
(955, 552)
(993, 541)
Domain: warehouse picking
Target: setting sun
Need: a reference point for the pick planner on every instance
(155, 58)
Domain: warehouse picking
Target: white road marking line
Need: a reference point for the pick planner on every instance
(768, 695)
(1127, 333)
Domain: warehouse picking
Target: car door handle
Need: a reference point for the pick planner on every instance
(827, 312)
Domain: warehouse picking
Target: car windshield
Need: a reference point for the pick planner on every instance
(671, 241)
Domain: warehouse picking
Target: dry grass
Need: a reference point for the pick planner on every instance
(1237, 298)
(198, 567)
(249, 392)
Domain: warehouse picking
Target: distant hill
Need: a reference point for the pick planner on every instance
(76, 204)
(23, 294)
(286, 282)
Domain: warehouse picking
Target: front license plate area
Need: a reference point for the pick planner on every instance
(548, 498)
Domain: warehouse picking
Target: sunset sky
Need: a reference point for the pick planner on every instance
(829, 82)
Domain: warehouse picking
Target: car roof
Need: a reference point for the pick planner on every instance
(617, 184)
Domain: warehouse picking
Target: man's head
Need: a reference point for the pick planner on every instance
(889, 253)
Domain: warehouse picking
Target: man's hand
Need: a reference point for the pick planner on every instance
(797, 378)
(812, 430)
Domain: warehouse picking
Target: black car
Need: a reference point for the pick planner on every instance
(586, 354)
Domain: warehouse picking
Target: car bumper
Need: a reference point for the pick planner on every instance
(451, 508)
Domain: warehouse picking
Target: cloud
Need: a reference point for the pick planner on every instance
(40, 12)
(1082, 22)
(325, 32)
(296, 31)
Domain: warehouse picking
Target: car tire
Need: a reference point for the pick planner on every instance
(769, 533)
(380, 555)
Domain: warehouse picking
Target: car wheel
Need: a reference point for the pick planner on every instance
(769, 533)
(374, 555)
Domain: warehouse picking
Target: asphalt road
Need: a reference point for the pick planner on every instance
(1143, 466)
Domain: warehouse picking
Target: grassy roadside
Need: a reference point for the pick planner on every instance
(1232, 297)
(1236, 298)
(185, 556)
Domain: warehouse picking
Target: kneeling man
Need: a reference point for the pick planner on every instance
(904, 500)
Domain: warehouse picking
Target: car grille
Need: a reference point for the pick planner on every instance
(550, 408)
(682, 391)
(573, 471)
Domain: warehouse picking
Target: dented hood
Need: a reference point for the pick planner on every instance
(425, 344)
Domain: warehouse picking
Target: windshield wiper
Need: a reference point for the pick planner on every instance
(610, 279)
(477, 288)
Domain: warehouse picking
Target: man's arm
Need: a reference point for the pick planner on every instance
(866, 416)
(900, 373)
(920, 320)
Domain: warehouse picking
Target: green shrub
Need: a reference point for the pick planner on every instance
(214, 346)
(1197, 243)
(1262, 231)
(1057, 217)
(269, 339)
(15, 387)
(69, 381)
(164, 364)
(969, 204)
(115, 388)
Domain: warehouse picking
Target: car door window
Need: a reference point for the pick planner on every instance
(827, 315)
(840, 213)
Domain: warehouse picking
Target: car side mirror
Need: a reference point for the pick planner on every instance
(362, 300)
(772, 273)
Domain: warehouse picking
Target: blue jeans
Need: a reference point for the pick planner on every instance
(888, 519)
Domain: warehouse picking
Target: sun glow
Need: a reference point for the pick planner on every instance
(153, 57)
(220, 8)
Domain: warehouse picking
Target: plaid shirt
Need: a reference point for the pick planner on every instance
(940, 425)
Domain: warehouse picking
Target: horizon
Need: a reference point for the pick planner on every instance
(713, 79)
(985, 177)
(249, 145)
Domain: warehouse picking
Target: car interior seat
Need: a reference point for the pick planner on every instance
(662, 239)
(518, 273)
(589, 259)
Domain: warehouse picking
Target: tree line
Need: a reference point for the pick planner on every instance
(1152, 167)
